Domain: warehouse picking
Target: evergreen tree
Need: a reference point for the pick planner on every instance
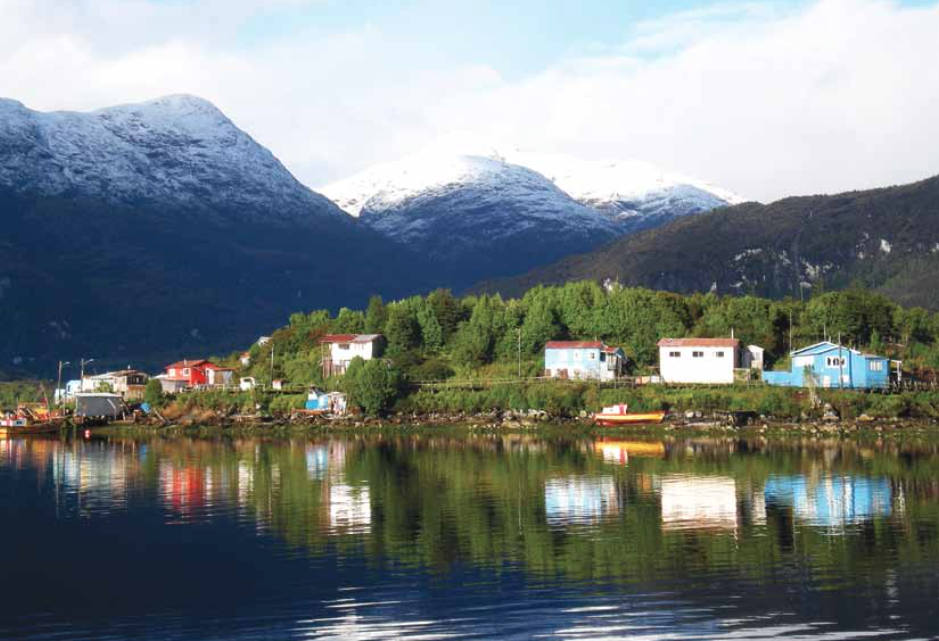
(375, 316)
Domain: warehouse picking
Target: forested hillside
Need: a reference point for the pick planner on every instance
(882, 239)
(441, 336)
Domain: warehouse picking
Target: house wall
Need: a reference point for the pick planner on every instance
(856, 373)
(340, 355)
(708, 368)
(583, 363)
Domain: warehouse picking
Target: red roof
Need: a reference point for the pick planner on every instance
(199, 362)
(575, 345)
(699, 342)
(338, 338)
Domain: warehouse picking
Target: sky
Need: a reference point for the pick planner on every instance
(766, 98)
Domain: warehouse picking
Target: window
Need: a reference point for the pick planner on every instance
(674, 354)
(344, 346)
(577, 355)
(697, 354)
(719, 354)
(602, 357)
(877, 366)
(591, 355)
(835, 361)
(186, 372)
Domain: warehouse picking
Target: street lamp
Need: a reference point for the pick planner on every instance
(58, 387)
(83, 363)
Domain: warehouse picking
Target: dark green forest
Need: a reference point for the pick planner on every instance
(440, 336)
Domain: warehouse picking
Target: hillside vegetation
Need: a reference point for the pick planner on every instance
(883, 239)
(441, 336)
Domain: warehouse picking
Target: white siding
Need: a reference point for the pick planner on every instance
(343, 353)
(707, 368)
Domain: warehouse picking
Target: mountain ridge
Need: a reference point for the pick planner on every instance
(884, 238)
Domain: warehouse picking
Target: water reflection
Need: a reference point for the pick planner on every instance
(831, 501)
(566, 538)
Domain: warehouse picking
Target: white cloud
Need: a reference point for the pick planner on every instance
(837, 95)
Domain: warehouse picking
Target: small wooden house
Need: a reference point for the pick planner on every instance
(583, 360)
(828, 364)
(340, 349)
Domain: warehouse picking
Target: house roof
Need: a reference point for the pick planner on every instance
(192, 362)
(575, 345)
(699, 342)
(823, 347)
(350, 338)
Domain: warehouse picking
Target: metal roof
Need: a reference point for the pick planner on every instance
(699, 342)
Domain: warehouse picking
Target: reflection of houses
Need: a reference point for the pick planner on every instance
(832, 501)
(583, 360)
(698, 502)
(580, 499)
(350, 507)
(828, 364)
(340, 349)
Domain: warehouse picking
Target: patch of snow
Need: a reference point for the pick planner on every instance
(747, 252)
(176, 150)
(885, 246)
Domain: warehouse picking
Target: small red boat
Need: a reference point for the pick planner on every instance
(620, 415)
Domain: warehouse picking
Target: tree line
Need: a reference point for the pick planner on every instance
(440, 335)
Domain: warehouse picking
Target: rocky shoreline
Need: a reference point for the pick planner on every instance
(718, 422)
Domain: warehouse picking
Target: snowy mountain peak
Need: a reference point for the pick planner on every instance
(177, 150)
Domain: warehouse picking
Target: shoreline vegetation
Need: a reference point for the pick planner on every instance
(479, 360)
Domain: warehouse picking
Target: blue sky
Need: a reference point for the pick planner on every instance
(765, 98)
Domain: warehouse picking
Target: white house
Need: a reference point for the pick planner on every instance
(340, 349)
(698, 360)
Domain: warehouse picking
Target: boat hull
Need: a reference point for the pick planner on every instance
(26, 430)
(643, 418)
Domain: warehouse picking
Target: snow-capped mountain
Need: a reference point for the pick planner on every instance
(178, 150)
(460, 207)
(636, 194)
(161, 230)
(480, 214)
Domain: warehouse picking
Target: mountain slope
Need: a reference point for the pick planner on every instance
(480, 216)
(149, 231)
(178, 150)
(489, 214)
(887, 239)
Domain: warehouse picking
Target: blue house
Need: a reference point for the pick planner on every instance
(832, 365)
(583, 360)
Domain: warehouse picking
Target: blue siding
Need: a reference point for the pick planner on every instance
(860, 371)
(585, 360)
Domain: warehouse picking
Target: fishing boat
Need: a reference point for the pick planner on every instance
(29, 420)
(620, 415)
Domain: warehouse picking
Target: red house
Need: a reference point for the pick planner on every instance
(198, 372)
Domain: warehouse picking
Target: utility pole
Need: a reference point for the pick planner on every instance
(790, 330)
(272, 364)
(519, 330)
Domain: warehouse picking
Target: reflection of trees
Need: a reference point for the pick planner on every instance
(550, 506)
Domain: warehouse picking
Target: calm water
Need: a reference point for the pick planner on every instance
(488, 538)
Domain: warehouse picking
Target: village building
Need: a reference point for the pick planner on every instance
(706, 360)
(186, 374)
(129, 383)
(583, 360)
(828, 364)
(340, 349)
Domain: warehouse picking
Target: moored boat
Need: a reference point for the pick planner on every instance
(620, 415)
